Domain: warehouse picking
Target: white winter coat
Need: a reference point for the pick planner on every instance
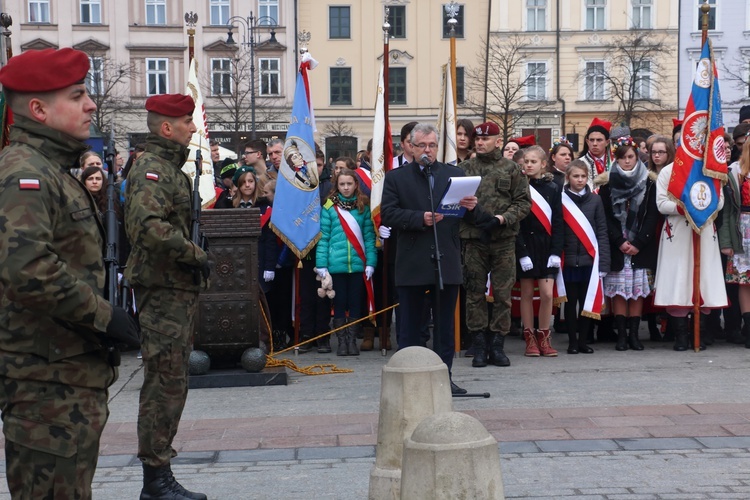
(674, 269)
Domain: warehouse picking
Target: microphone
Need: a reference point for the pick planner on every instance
(424, 160)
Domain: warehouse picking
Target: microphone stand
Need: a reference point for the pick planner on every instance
(437, 258)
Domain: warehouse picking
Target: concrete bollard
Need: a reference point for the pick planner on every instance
(451, 455)
(415, 384)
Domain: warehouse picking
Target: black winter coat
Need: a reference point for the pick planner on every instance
(575, 255)
(645, 240)
(532, 240)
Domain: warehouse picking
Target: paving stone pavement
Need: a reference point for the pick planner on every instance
(654, 424)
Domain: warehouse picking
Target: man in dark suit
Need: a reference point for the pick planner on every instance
(406, 208)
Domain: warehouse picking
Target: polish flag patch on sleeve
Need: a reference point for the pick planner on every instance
(152, 176)
(32, 184)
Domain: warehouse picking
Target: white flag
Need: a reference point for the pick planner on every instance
(447, 122)
(200, 141)
(382, 150)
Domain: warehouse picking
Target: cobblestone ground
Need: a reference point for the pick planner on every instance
(690, 473)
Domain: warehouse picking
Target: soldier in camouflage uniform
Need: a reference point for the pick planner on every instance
(504, 192)
(54, 319)
(161, 268)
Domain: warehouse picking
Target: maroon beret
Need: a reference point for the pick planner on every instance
(173, 105)
(45, 70)
(487, 128)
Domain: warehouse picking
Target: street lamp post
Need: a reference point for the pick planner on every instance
(251, 25)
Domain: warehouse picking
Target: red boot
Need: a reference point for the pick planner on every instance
(532, 350)
(545, 346)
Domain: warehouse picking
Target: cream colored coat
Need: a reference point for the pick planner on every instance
(674, 269)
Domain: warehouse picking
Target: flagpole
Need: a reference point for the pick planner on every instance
(7, 117)
(452, 9)
(384, 333)
(191, 18)
(705, 9)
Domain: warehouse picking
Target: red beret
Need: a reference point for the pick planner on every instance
(173, 105)
(487, 128)
(676, 122)
(525, 141)
(45, 70)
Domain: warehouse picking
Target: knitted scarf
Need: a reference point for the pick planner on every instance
(628, 190)
(343, 202)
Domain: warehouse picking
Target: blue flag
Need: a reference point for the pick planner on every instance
(295, 217)
(700, 164)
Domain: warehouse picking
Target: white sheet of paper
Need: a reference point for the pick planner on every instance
(459, 188)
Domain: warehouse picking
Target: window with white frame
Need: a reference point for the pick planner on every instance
(595, 14)
(268, 12)
(156, 11)
(95, 76)
(711, 14)
(536, 81)
(221, 76)
(397, 20)
(39, 11)
(642, 14)
(536, 15)
(157, 76)
(91, 11)
(642, 79)
(270, 76)
(339, 22)
(594, 81)
(219, 12)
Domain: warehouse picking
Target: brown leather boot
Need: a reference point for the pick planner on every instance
(368, 342)
(532, 349)
(545, 345)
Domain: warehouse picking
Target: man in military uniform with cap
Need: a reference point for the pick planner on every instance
(503, 192)
(54, 319)
(161, 268)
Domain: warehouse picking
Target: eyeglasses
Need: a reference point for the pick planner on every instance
(250, 152)
(426, 146)
(658, 152)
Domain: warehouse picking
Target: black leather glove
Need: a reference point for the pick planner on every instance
(123, 328)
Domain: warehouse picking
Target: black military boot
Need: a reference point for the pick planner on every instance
(633, 341)
(324, 344)
(707, 330)
(480, 350)
(622, 333)
(496, 345)
(159, 484)
(654, 334)
(680, 329)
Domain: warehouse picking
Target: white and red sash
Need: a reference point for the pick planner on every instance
(365, 177)
(543, 212)
(354, 235)
(581, 227)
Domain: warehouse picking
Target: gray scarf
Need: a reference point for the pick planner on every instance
(628, 190)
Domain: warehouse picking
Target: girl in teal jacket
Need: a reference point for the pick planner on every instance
(346, 250)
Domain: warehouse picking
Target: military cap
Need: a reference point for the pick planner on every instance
(239, 172)
(174, 105)
(45, 70)
(486, 128)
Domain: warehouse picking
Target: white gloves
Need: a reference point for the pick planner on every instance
(269, 275)
(554, 261)
(384, 232)
(526, 264)
(322, 272)
(369, 271)
(602, 275)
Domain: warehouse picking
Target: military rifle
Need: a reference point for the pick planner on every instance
(196, 236)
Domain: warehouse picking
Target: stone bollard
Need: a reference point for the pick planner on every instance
(414, 385)
(451, 455)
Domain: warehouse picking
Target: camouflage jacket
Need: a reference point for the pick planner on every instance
(157, 219)
(51, 266)
(504, 190)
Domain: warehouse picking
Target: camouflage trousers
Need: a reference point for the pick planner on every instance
(52, 434)
(498, 258)
(167, 319)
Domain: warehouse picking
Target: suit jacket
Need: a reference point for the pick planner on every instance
(406, 197)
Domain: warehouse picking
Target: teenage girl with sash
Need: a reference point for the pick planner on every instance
(585, 255)
(539, 245)
(346, 250)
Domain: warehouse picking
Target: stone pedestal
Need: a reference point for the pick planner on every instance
(451, 455)
(415, 384)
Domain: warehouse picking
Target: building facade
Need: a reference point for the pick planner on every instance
(139, 48)
(615, 59)
(729, 30)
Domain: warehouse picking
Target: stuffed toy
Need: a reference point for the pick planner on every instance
(326, 287)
